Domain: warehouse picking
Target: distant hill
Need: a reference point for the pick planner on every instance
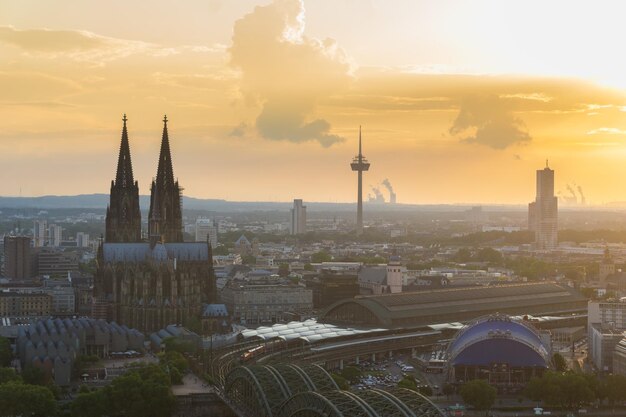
(100, 201)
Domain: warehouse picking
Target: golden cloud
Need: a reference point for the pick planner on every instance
(287, 73)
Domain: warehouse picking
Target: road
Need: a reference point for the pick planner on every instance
(192, 385)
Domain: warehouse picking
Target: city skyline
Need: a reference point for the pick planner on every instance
(441, 123)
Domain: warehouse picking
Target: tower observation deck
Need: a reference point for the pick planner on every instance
(360, 164)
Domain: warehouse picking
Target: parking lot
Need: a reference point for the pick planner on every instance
(386, 373)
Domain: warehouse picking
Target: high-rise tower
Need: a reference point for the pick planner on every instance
(360, 164)
(298, 218)
(165, 217)
(543, 212)
(123, 218)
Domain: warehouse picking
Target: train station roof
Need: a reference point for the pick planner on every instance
(423, 308)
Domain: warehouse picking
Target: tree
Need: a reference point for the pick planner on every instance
(447, 389)
(559, 362)
(82, 362)
(220, 250)
(142, 392)
(193, 323)
(35, 376)
(89, 404)
(568, 390)
(308, 267)
(179, 345)
(248, 260)
(18, 399)
(341, 382)
(9, 375)
(479, 394)
(615, 389)
(489, 255)
(408, 382)
(462, 255)
(174, 359)
(283, 270)
(176, 377)
(321, 256)
(352, 374)
(6, 354)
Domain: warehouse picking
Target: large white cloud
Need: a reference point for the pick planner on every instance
(287, 73)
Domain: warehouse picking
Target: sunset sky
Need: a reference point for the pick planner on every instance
(460, 101)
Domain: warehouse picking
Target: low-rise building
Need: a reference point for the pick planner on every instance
(271, 303)
(54, 345)
(606, 321)
(602, 343)
(25, 303)
(56, 262)
(329, 288)
(63, 296)
(619, 358)
(607, 312)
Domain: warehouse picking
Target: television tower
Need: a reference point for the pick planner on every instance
(360, 164)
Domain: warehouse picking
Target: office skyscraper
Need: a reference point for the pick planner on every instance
(543, 212)
(40, 233)
(298, 218)
(17, 259)
(206, 229)
(55, 235)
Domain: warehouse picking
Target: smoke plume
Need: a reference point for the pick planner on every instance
(388, 185)
(583, 200)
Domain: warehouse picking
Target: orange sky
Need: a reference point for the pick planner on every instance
(460, 102)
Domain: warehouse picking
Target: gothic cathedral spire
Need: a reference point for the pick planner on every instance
(123, 218)
(165, 217)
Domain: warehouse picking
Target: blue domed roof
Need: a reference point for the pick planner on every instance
(498, 339)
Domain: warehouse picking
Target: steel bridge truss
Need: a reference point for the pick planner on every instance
(373, 402)
(260, 390)
(285, 390)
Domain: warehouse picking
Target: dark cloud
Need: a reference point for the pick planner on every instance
(489, 120)
(287, 73)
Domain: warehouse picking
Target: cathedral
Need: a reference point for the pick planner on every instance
(150, 283)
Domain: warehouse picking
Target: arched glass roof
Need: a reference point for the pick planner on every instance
(308, 330)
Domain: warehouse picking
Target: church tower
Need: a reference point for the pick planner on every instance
(123, 218)
(165, 217)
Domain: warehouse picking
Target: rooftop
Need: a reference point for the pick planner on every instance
(456, 304)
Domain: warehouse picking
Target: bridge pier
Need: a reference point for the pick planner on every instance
(390, 354)
(413, 353)
(373, 357)
(356, 360)
(341, 364)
